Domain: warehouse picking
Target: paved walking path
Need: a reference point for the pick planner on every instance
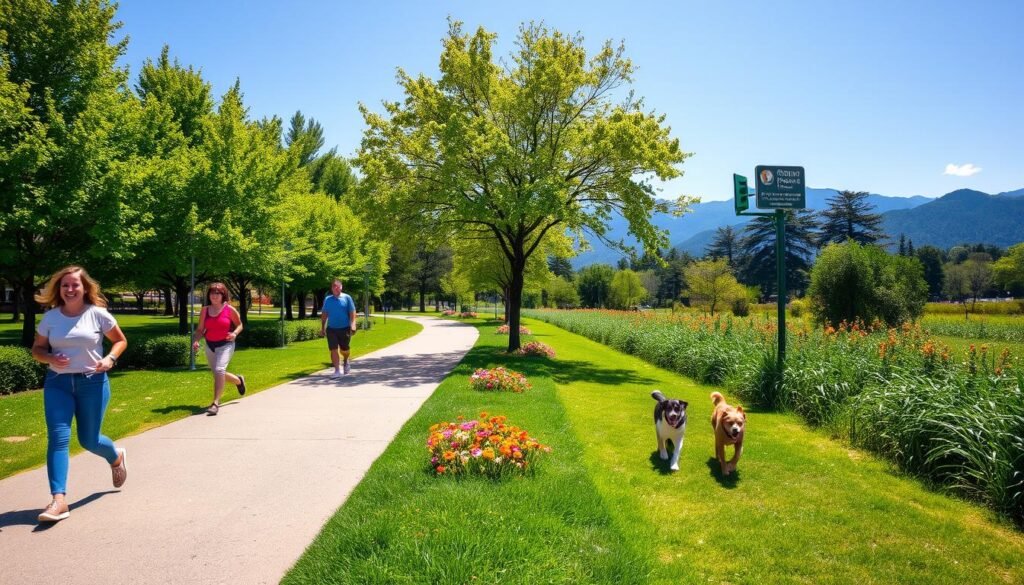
(234, 498)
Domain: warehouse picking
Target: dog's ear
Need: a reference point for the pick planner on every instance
(684, 403)
(739, 409)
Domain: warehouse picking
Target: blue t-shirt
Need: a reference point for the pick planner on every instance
(337, 310)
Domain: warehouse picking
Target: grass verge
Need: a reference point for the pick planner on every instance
(602, 507)
(143, 399)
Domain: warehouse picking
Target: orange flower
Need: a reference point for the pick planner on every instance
(441, 468)
(488, 454)
(449, 455)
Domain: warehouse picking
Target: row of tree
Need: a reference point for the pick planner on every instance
(134, 180)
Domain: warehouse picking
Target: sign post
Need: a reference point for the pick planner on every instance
(779, 188)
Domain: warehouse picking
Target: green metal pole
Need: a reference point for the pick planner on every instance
(780, 262)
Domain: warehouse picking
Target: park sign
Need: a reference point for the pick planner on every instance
(780, 187)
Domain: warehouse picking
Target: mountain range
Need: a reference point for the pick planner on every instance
(963, 216)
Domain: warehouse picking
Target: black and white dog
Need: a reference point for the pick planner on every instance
(669, 423)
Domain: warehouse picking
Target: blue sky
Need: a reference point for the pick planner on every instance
(890, 97)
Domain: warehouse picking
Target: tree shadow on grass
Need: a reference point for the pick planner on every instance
(30, 517)
(726, 481)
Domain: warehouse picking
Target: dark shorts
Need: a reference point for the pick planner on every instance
(339, 338)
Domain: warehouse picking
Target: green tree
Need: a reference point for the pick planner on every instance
(711, 282)
(513, 152)
(672, 276)
(931, 259)
(562, 293)
(956, 284)
(61, 96)
(726, 244)
(627, 290)
(849, 217)
(594, 284)
(758, 245)
(1008, 271)
(978, 269)
(851, 281)
(560, 267)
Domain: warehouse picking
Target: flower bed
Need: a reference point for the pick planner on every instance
(448, 313)
(537, 349)
(504, 330)
(499, 380)
(486, 447)
(468, 315)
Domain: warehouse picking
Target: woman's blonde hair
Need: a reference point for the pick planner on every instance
(50, 297)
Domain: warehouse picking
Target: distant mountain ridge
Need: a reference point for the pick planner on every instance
(963, 216)
(694, 231)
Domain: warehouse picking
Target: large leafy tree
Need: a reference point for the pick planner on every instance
(513, 151)
(1009, 270)
(61, 96)
(627, 290)
(594, 283)
(758, 245)
(711, 282)
(178, 197)
(849, 217)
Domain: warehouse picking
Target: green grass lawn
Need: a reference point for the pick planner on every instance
(143, 399)
(603, 508)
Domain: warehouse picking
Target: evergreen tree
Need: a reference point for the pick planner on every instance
(849, 217)
(560, 267)
(932, 260)
(758, 245)
(726, 244)
(902, 250)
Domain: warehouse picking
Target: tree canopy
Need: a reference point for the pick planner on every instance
(511, 151)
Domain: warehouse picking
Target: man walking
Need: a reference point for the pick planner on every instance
(338, 323)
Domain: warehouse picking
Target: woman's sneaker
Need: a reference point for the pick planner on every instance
(120, 470)
(55, 512)
(241, 385)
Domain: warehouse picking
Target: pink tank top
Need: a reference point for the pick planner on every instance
(217, 327)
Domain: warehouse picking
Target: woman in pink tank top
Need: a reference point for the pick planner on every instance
(219, 325)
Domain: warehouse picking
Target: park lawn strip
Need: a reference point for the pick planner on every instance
(404, 524)
(143, 399)
(803, 508)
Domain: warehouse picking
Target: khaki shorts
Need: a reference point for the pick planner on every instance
(339, 338)
(220, 357)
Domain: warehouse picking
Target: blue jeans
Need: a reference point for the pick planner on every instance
(83, 397)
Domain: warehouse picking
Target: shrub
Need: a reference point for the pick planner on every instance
(468, 315)
(504, 330)
(740, 306)
(264, 334)
(485, 447)
(19, 370)
(448, 313)
(797, 308)
(850, 282)
(499, 380)
(537, 349)
(166, 351)
(301, 330)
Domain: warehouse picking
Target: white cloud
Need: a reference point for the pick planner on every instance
(965, 170)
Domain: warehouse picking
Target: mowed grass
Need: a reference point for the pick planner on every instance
(603, 508)
(143, 399)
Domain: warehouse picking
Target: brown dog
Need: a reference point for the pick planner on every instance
(729, 424)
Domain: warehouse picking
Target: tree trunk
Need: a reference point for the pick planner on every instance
(140, 300)
(28, 326)
(16, 302)
(288, 294)
(168, 308)
(423, 299)
(515, 299)
(301, 296)
(181, 290)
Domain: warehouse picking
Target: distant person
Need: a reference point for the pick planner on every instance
(338, 324)
(219, 326)
(69, 340)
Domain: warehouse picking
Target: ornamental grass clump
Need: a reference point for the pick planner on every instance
(499, 380)
(505, 329)
(536, 349)
(485, 446)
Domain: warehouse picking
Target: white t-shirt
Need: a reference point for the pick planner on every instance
(80, 338)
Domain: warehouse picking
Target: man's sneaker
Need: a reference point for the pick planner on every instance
(120, 470)
(55, 512)
(348, 368)
(241, 385)
(336, 374)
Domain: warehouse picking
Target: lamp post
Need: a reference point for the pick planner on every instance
(192, 316)
(366, 297)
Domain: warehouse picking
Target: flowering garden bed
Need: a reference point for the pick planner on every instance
(536, 349)
(499, 380)
(505, 329)
(487, 447)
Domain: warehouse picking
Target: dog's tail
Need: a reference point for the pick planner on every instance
(657, 395)
(716, 397)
